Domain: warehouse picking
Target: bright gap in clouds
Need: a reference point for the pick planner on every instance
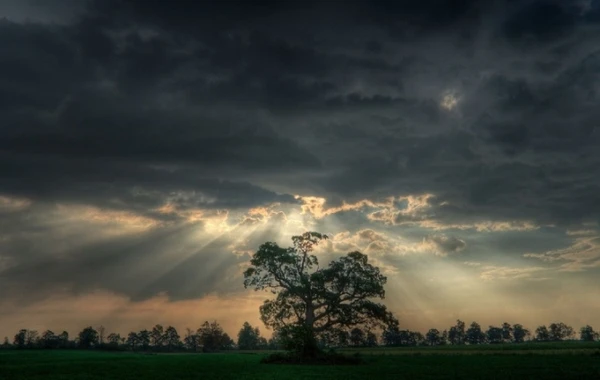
(450, 100)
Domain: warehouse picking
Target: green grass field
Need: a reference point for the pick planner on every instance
(529, 361)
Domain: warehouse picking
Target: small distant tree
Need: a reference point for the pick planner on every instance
(248, 337)
(395, 337)
(474, 335)
(433, 337)
(113, 340)
(6, 343)
(391, 335)
(519, 333)
(88, 337)
(172, 338)
(20, 338)
(157, 336)
(587, 334)
(416, 338)
(191, 340)
(101, 331)
(132, 341)
(507, 332)
(227, 343)
(444, 338)
(326, 339)
(357, 337)
(406, 338)
(542, 334)
(494, 335)
(371, 339)
(49, 339)
(63, 339)
(342, 338)
(263, 343)
(560, 331)
(144, 339)
(274, 343)
(212, 337)
(456, 334)
(32, 338)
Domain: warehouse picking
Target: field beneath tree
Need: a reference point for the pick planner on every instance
(568, 360)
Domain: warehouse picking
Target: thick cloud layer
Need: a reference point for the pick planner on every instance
(147, 147)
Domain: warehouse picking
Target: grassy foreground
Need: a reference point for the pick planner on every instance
(549, 362)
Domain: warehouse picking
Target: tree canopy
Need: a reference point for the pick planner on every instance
(310, 300)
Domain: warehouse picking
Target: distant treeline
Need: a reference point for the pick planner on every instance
(210, 337)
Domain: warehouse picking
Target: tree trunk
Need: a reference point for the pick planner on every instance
(310, 348)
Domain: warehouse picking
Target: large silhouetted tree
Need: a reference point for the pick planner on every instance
(311, 300)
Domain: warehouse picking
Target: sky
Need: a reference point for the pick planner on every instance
(147, 149)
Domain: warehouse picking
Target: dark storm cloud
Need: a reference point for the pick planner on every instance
(134, 187)
(133, 104)
(522, 135)
(65, 132)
